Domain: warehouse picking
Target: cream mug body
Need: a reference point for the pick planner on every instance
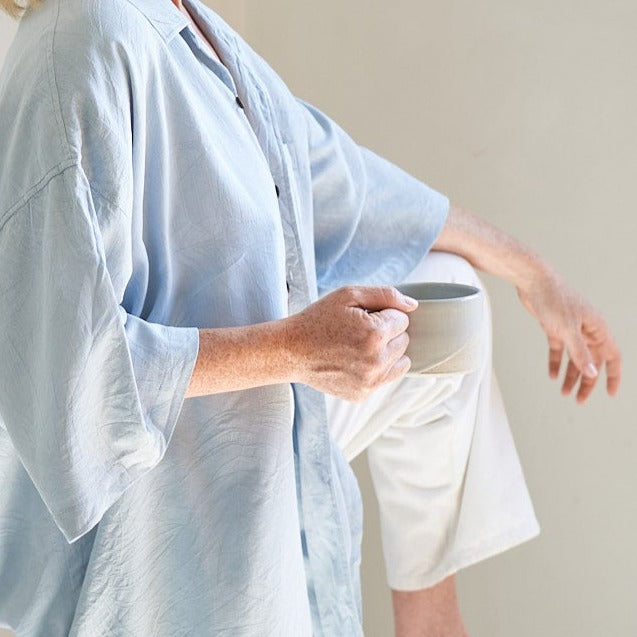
(445, 331)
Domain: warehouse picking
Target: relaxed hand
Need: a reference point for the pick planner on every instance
(573, 325)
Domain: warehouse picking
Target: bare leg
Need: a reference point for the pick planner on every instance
(429, 612)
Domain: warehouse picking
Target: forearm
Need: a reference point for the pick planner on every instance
(568, 320)
(235, 358)
(489, 249)
(347, 344)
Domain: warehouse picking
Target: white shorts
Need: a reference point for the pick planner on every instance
(444, 466)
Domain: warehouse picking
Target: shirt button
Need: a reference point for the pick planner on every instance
(278, 192)
(238, 101)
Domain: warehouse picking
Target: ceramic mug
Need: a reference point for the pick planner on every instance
(445, 331)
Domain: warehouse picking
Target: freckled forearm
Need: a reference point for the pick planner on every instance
(489, 249)
(232, 359)
(334, 345)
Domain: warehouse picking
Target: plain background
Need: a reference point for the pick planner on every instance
(525, 112)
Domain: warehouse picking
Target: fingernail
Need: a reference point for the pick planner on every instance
(591, 370)
(411, 302)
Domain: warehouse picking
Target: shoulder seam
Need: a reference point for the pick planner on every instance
(55, 93)
(56, 171)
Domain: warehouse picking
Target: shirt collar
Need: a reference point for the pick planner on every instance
(163, 15)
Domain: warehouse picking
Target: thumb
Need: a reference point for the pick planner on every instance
(374, 299)
(581, 356)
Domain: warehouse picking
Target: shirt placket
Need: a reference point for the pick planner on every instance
(330, 590)
(329, 586)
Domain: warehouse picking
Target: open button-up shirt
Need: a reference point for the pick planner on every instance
(140, 201)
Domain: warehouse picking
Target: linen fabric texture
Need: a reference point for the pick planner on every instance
(443, 463)
(138, 204)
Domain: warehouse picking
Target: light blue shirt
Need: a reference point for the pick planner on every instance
(138, 203)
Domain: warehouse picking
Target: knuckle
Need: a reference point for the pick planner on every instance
(350, 294)
(373, 341)
(395, 320)
(349, 291)
(390, 293)
(373, 321)
(371, 375)
(398, 345)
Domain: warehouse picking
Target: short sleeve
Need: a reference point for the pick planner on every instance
(373, 222)
(89, 394)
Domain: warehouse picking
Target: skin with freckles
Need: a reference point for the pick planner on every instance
(305, 347)
(347, 344)
(354, 340)
(431, 612)
(573, 327)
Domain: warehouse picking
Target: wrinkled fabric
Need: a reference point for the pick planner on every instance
(447, 477)
(139, 202)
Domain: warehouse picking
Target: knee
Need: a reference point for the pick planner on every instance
(445, 267)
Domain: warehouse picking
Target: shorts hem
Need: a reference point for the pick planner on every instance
(468, 557)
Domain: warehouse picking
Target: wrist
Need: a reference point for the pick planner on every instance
(530, 270)
(286, 340)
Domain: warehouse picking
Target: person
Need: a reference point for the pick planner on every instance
(191, 260)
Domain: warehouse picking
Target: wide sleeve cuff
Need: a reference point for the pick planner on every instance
(89, 394)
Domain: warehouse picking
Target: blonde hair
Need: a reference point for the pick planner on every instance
(16, 10)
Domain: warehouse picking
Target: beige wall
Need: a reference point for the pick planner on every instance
(524, 111)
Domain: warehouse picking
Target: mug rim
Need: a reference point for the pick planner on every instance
(465, 292)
